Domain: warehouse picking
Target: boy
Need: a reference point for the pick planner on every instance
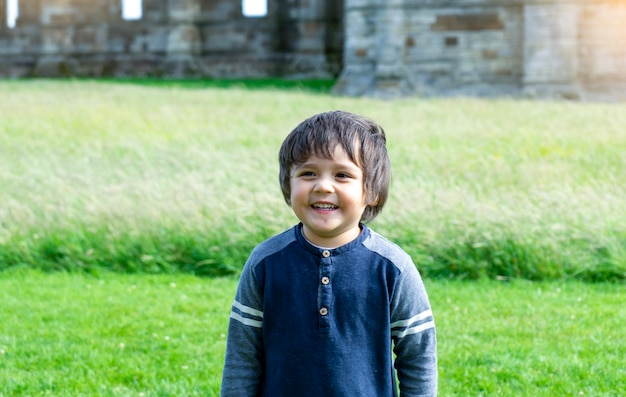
(318, 306)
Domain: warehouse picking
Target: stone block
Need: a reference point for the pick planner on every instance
(550, 43)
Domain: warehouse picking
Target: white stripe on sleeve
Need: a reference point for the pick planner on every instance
(246, 321)
(413, 330)
(405, 323)
(247, 315)
(247, 309)
(413, 325)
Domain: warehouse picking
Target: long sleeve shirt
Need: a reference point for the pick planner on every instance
(308, 321)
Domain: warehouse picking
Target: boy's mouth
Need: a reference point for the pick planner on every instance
(324, 206)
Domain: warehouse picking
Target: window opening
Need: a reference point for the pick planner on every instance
(452, 41)
(132, 9)
(12, 12)
(254, 8)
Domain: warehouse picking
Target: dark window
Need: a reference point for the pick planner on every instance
(471, 22)
(452, 41)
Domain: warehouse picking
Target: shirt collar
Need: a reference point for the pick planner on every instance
(315, 250)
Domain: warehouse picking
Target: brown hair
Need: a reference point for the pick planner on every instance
(361, 138)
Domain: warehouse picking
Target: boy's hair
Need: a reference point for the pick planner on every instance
(361, 138)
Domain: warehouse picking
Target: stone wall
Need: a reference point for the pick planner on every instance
(539, 48)
(174, 38)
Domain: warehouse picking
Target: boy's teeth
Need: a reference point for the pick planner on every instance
(325, 206)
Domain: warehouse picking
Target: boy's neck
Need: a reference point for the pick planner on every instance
(332, 243)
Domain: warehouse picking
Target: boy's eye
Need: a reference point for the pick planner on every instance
(342, 175)
(306, 173)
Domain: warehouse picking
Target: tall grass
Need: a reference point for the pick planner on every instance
(158, 178)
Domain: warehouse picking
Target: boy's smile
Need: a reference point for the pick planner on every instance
(328, 197)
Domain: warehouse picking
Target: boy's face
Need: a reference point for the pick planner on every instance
(328, 197)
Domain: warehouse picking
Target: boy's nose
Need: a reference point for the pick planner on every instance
(324, 185)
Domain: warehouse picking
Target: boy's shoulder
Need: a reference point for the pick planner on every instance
(272, 245)
(389, 250)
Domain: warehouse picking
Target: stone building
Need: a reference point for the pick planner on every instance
(565, 48)
(173, 38)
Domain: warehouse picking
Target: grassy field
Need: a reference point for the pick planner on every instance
(183, 177)
(77, 335)
(129, 190)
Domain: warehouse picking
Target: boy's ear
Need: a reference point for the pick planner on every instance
(374, 202)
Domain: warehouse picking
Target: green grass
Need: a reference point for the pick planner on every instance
(71, 335)
(105, 334)
(314, 85)
(182, 176)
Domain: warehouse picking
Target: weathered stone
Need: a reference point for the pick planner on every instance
(174, 38)
(574, 49)
(571, 49)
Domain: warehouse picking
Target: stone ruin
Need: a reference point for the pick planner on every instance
(173, 38)
(574, 49)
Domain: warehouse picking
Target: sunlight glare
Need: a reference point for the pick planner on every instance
(254, 8)
(12, 13)
(131, 9)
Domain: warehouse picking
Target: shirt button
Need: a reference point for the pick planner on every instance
(323, 311)
(325, 280)
(326, 253)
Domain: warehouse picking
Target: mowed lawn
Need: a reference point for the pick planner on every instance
(108, 334)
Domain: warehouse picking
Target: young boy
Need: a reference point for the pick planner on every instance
(318, 306)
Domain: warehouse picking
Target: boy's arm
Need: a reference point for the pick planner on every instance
(413, 333)
(244, 346)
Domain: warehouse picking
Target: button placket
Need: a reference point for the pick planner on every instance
(325, 293)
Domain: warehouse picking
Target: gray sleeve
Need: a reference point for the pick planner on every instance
(244, 345)
(413, 333)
